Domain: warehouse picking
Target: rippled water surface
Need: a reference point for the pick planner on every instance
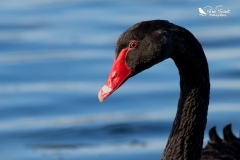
(56, 54)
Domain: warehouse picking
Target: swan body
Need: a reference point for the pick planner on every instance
(227, 148)
(150, 42)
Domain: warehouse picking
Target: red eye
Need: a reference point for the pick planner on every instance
(133, 44)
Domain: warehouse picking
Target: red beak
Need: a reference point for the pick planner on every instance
(119, 73)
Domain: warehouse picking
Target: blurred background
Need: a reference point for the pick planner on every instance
(55, 55)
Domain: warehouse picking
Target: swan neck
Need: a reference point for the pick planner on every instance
(186, 137)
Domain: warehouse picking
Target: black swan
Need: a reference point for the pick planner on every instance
(150, 42)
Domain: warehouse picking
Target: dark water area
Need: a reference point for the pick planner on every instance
(56, 55)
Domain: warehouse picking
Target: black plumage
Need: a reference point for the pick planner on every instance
(156, 41)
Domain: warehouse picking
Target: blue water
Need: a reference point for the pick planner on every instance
(55, 55)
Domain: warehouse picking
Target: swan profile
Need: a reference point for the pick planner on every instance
(150, 42)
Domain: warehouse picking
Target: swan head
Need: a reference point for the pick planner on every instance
(138, 48)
